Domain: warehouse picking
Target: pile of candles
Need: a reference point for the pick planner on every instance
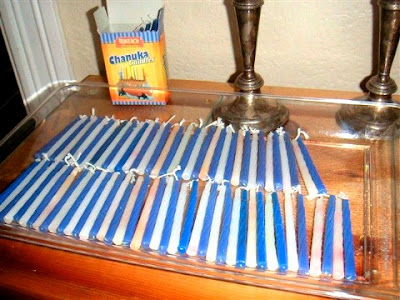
(139, 185)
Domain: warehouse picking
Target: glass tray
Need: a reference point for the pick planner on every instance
(367, 170)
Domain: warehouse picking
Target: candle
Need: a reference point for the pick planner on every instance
(294, 177)
(277, 163)
(327, 258)
(349, 262)
(216, 156)
(203, 151)
(189, 219)
(225, 227)
(44, 196)
(221, 162)
(166, 234)
(213, 152)
(198, 223)
(252, 182)
(251, 254)
(242, 238)
(286, 184)
(235, 180)
(302, 236)
(269, 166)
(216, 225)
(279, 235)
(206, 228)
(126, 151)
(231, 158)
(144, 216)
(36, 182)
(261, 254)
(165, 150)
(338, 262)
(244, 171)
(231, 252)
(45, 207)
(127, 225)
(160, 221)
(316, 246)
(178, 220)
(261, 159)
(293, 260)
(148, 233)
(89, 189)
(189, 158)
(88, 217)
(138, 145)
(272, 259)
(182, 148)
(120, 199)
(172, 152)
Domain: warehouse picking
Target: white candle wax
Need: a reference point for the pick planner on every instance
(318, 232)
(272, 260)
(291, 242)
(251, 254)
(269, 169)
(338, 260)
(252, 183)
(286, 182)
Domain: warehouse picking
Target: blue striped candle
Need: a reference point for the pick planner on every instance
(277, 163)
(217, 155)
(302, 236)
(279, 234)
(261, 251)
(87, 135)
(294, 177)
(226, 223)
(349, 261)
(158, 149)
(261, 159)
(202, 153)
(244, 172)
(188, 151)
(327, 258)
(172, 151)
(242, 238)
(231, 158)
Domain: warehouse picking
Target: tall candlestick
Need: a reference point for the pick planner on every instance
(244, 171)
(302, 236)
(235, 180)
(349, 262)
(327, 258)
(279, 235)
(261, 159)
(338, 262)
(213, 151)
(316, 245)
(251, 255)
(269, 166)
(233, 230)
(225, 227)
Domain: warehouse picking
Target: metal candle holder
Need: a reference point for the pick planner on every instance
(249, 108)
(374, 120)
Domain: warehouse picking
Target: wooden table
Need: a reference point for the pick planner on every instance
(36, 271)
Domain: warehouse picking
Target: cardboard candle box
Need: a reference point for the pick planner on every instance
(135, 60)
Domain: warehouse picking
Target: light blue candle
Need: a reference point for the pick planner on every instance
(302, 236)
(279, 235)
(226, 223)
(188, 152)
(244, 172)
(277, 163)
(261, 159)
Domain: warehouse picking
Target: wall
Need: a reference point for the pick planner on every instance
(310, 44)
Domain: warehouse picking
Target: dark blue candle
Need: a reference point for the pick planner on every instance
(217, 154)
(244, 171)
(226, 223)
(231, 158)
(277, 163)
(261, 252)
(327, 258)
(294, 177)
(261, 159)
(302, 236)
(349, 261)
(242, 237)
(172, 151)
(279, 235)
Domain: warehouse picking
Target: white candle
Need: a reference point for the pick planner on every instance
(318, 232)
(233, 230)
(251, 254)
(203, 175)
(178, 218)
(162, 213)
(198, 223)
(272, 261)
(182, 146)
(195, 153)
(269, 170)
(338, 261)
(219, 176)
(252, 183)
(291, 242)
(286, 182)
(238, 159)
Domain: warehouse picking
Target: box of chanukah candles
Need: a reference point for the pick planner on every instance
(133, 45)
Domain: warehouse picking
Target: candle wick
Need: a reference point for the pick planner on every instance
(301, 132)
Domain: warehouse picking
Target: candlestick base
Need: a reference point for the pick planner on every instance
(253, 111)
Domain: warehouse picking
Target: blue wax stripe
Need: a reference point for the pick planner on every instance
(327, 259)
(148, 232)
(231, 158)
(158, 149)
(302, 236)
(90, 206)
(261, 251)
(188, 151)
(134, 218)
(70, 138)
(172, 151)
(45, 225)
(95, 141)
(203, 152)
(225, 227)
(279, 235)
(77, 202)
(85, 135)
(52, 190)
(205, 231)
(217, 154)
(169, 219)
(189, 219)
(108, 142)
(242, 238)
(104, 209)
(349, 262)
(56, 138)
(47, 198)
(294, 177)
(132, 146)
(117, 215)
(17, 181)
(261, 159)
(119, 145)
(23, 191)
(277, 163)
(244, 172)
(311, 168)
(146, 145)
